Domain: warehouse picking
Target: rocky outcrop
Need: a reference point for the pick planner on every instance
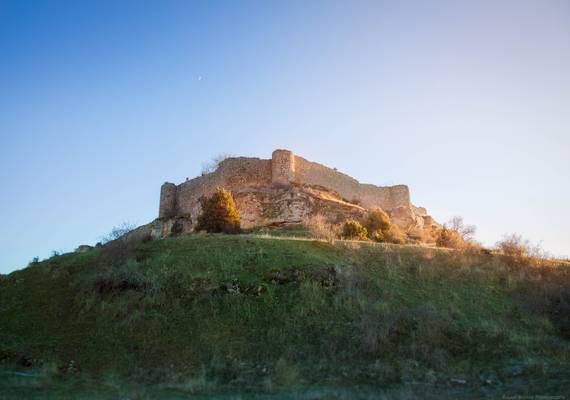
(291, 205)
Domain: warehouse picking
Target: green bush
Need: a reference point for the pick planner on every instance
(381, 229)
(219, 213)
(353, 230)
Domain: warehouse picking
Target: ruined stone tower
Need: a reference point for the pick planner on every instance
(167, 207)
(282, 167)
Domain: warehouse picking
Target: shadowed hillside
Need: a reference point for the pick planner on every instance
(213, 313)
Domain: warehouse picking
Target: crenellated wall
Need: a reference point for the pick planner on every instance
(243, 173)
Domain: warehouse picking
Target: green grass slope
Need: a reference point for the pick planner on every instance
(205, 313)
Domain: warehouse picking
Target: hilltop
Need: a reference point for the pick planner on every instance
(216, 313)
(286, 189)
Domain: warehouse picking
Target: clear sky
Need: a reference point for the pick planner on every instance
(467, 102)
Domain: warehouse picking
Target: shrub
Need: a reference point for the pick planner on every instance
(377, 236)
(394, 235)
(377, 220)
(449, 238)
(381, 229)
(422, 235)
(514, 246)
(353, 230)
(467, 232)
(219, 213)
(521, 251)
(320, 228)
(118, 231)
(456, 235)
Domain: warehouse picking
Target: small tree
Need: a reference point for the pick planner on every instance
(381, 229)
(456, 235)
(214, 163)
(219, 213)
(377, 220)
(118, 231)
(353, 230)
(467, 232)
(449, 238)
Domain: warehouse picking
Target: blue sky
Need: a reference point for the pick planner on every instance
(468, 103)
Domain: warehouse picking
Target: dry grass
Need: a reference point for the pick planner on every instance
(320, 228)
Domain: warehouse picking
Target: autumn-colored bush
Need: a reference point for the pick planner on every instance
(219, 213)
(377, 220)
(467, 232)
(449, 238)
(354, 230)
(394, 235)
(422, 235)
(513, 246)
(455, 234)
(519, 251)
(377, 236)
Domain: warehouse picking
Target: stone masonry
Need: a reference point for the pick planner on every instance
(252, 179)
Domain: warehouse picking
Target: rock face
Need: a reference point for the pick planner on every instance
(285, 189)
(292, 204)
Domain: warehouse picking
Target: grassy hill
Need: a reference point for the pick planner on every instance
(219, 314)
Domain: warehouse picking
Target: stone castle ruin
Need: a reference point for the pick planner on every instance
(285, 189)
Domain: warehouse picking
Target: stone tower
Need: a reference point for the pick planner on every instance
(282, 167)
(167, 207)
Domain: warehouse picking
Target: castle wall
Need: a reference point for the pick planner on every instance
(232, 174)
(369, 196)
(243, 173)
